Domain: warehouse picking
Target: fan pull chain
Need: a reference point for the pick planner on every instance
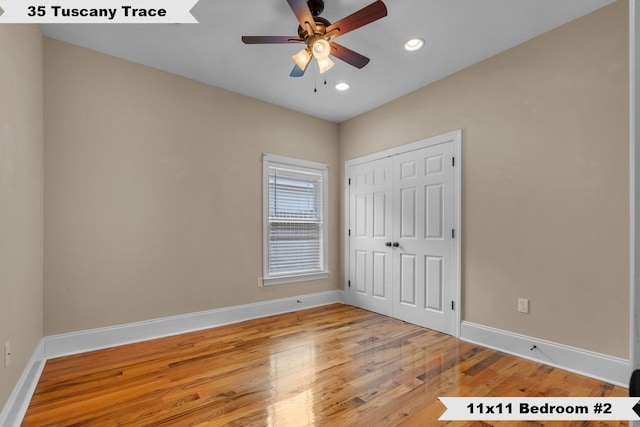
(315, 80)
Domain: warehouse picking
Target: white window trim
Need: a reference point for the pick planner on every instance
(270, 159)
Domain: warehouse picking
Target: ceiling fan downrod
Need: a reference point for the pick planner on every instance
(316, 7)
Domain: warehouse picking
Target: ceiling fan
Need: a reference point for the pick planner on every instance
(317, 34)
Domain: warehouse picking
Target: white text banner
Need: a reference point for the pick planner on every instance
(96, 11)
(541, 408)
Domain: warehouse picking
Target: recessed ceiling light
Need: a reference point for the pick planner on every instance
(414, 44)
(342, 87)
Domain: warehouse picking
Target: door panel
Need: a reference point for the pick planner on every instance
(424, 237)
(370, 199)
(434, 164)
(434, 201)
(360, 276)
(380, 262)
(360, 207)
(408, 213)
(408, 288)
(434, 284)
(380, 216)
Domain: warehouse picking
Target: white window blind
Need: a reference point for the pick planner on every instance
(295, 220)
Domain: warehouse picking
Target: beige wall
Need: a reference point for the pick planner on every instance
(153, 194)
(21, 153)
(138, 224)
(545, 179)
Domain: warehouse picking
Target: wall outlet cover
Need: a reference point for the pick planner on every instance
(523, 305)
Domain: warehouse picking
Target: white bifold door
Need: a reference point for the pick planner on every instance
(402, 253)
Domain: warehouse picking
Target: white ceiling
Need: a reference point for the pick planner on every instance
(458, 33)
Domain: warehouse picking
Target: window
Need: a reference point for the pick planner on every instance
(295, 213)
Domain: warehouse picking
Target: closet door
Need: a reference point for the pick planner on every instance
(370, 225)
(423, 260)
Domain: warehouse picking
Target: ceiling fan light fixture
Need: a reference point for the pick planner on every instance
(414, 44)
(342, 86)
(302, 59)
(321, 49)
(325, 65)
(316, 33)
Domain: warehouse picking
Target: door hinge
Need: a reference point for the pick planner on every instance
(349, 181)
(453, 161)
(349, 232)
(349, 283)
(453, 233)
(453, 305)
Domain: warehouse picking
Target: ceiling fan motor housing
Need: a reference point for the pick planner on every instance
(321, 25)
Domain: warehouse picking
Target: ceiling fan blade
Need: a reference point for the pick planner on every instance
(303, 13)
(364, 16)
(297, 72)
(270, 39)
(349, 56)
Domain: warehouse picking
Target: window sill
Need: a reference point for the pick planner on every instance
(293, 279)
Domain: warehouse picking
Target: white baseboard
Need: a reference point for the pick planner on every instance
(602, 367)
(96, 339)
(15, 408)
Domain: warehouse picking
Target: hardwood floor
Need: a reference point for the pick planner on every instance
(329, 366)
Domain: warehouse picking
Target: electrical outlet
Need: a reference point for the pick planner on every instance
(523, 305)
(260, 282)
(7, 353)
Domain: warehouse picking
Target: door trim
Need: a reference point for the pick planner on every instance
(634, 190)
(456, 138)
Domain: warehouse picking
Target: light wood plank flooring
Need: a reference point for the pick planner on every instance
(329, 366)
